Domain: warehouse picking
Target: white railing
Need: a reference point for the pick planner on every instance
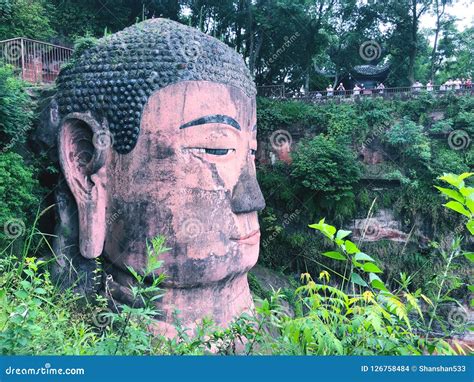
(36, 62)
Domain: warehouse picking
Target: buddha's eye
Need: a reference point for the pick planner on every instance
(208, 151)
(217, 151)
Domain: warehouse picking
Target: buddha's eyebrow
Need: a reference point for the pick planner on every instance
(216, 118)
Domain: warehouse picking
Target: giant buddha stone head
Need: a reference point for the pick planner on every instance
(158, 137)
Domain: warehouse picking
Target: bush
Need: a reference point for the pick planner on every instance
(25, 18)
(326, 165)
(19, 192)
(410, 140)
(15, 109)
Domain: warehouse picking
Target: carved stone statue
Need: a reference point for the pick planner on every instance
(158, 137)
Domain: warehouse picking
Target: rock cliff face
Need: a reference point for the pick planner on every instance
(382, 225)
(383, 171)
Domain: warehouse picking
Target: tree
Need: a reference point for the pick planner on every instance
(326, 165)
(25, 18)
(439, 10)
(403, 18)
(455, 56)
(15, 109)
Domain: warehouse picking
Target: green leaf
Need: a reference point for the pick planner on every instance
(465, 175)
(470, 226)
(351, 248)
(458, 207)
(378, 285)
(21, 294)
(470, 204)
(329, 229)
(326, 229)
(466, 191)
(341, 234)
(453, 180)
(469, 256)
(335, 255)
(373, 276)
(371, 267)
(356, 279)
(453, 194)
(361, 256)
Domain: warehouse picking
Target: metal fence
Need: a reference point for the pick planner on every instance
(278, 91)
(36, 62)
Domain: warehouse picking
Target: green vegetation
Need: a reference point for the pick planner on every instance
(324, 179)
(323, 51)
(347, 296)
(19, 188)
(18, 191)
(16, 113)
(369, 320)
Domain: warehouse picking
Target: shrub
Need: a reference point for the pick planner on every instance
(19, 192)
(326, 165)
(410, 140)
(15, 109)
(25, 18)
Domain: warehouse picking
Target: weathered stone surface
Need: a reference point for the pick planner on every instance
(381, 226)
(190, 176)
(114, 79)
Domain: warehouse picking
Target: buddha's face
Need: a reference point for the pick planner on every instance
(191, 177)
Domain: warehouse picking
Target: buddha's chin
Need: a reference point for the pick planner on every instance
(211, 269)
(222, 304)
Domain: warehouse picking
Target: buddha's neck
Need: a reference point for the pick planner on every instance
(222, 302)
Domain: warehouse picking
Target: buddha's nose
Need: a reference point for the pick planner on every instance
(246, 195)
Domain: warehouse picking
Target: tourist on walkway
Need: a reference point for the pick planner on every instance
(429, 86)
(341, 89)
(448, 84)
(416, 87)
(329, 91)
(380, 88)
(356, 90)
(457, 84)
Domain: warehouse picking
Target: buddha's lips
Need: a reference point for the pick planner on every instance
(251, 239)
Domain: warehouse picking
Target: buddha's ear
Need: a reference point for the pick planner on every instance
(83, 156)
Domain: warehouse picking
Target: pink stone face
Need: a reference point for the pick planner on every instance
(191, 177)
